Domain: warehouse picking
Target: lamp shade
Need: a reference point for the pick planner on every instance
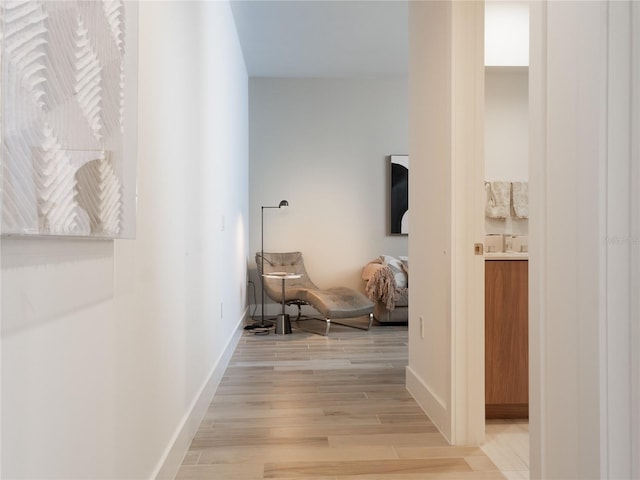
(283, 203)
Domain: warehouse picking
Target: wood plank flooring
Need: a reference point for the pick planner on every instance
(307, 407)
(507, 444)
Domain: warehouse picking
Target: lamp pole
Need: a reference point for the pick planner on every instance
(283, 203)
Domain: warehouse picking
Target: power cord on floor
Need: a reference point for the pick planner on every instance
(256, 327)
(255, 303)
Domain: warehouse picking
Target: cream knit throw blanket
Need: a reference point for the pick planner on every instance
(382, 286)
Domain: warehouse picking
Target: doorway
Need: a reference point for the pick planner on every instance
(506, 169)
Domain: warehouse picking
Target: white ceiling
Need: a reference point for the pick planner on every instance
(323, 38)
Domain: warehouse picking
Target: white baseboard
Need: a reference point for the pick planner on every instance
(432, 405)
(172, 459)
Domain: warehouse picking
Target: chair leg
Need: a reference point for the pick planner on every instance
(328, 320)
(297, 303)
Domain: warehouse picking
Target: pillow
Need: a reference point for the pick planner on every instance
(395, 265)
(405, 267)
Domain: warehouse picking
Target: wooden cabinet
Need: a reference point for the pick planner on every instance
(506, 339)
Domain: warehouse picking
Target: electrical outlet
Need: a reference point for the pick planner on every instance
(221, 309)
(421, 327)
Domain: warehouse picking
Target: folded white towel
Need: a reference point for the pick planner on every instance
(520, 199)
(498, 197)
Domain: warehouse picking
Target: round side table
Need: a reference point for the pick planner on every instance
(283, 324)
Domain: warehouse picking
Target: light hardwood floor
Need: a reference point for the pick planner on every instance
(304, 406)
(507, 445)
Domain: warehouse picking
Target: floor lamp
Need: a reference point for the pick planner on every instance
(283, 203)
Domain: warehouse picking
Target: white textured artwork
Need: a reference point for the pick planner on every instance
(66, 159)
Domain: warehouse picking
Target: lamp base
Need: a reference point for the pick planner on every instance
(259, 324)
(261, 327)
(283, 325)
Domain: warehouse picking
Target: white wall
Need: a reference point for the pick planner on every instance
(107, 346)
(322, 144)
(446, 80)
(506, 116)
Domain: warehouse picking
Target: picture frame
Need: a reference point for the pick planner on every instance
(399, 194)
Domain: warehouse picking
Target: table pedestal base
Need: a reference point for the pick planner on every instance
(283, 324)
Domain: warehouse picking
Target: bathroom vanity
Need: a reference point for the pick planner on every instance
(506, 335)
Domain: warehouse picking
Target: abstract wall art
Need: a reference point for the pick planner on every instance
(399, 194)
(68, 95)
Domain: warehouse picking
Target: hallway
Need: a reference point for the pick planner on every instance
(304, 406)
